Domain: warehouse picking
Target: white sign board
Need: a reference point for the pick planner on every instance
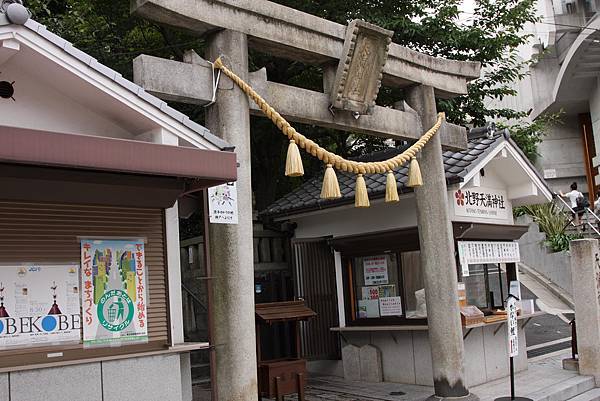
(376, 270)
(481, 203)
(484, 252)
(39, 304)
(550, 173)
(222, 204)
(513, 330)
(390, 306)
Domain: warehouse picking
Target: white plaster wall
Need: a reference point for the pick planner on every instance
(41, 107)
(349, 220)
(381, 216)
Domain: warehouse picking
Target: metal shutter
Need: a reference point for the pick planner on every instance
(48, 232)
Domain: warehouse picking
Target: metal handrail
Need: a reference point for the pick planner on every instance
(587, 210)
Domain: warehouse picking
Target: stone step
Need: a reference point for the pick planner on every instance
(564, 390)
(591, 395)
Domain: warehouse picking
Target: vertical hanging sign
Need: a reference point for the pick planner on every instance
(222, 204)
(513, 335)
(114, 292)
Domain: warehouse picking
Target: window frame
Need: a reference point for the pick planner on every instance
(349, 288)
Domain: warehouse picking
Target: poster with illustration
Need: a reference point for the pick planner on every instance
(39, 305)
(113, 294)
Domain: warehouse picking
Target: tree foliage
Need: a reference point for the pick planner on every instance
(490, 35)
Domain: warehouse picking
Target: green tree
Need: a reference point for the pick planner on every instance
(490, 35)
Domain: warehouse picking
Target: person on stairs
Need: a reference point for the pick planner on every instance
(575, 201)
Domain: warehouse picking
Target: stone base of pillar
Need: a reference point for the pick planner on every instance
(470, 397)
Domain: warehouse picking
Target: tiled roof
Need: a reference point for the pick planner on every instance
(85, 58)
(307, 197)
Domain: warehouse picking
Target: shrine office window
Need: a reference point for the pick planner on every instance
(486, 285)
(383, 289)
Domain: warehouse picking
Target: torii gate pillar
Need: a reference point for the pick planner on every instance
(438, 263)
(231, 247)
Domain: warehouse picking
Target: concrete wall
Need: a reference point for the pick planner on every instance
(595, 117)
(154, 378)
(562, 154)
(406, 355)
(556, 266)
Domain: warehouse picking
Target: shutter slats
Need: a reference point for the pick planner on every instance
(47, 232)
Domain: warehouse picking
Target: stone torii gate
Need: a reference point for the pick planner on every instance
(231, 26)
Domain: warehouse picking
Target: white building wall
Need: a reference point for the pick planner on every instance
(349, 220)
(40, 106)
(381, 216)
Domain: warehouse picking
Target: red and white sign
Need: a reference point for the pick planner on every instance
(481, 203)
(376, 270)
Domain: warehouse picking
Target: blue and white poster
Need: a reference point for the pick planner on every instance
(113, 295)
(39, 305)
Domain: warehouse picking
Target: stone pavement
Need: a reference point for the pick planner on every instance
(544, 380)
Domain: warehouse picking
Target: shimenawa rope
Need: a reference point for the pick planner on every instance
(330, 185)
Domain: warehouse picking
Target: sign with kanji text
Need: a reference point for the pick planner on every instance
(39, 305)
(513, 330)
(390, 306)
(222, 204)
(375, 270)
(114, 294)
(487, 252)
(481, 203)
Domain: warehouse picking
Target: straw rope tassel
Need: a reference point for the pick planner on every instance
(361, 196)
(414, 174)
(293, 162)
(331, 187)
(391, 188)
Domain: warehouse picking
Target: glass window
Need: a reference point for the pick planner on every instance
(486, 286)
(413, 285)
(376, 287)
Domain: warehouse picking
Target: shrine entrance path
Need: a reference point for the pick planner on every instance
(545, 379)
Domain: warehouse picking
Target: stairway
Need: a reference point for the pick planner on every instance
(569, 389)
(586, 231)
(590, 395)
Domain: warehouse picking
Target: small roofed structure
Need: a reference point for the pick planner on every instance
(282, 376)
